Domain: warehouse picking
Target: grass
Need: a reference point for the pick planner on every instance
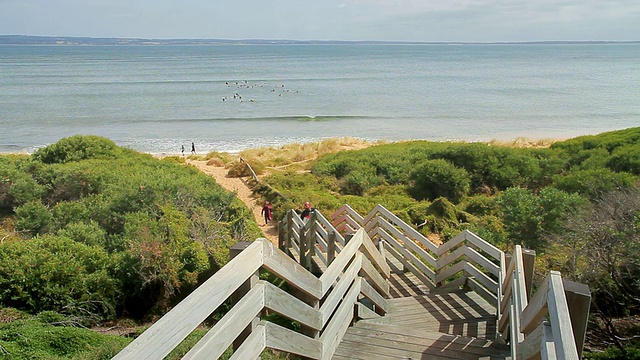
(291, 154)
(523, 143)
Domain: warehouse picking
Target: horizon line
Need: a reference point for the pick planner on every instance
(149, 41)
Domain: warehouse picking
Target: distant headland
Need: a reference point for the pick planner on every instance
(71, 40)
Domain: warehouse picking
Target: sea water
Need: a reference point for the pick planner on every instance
(232, 97)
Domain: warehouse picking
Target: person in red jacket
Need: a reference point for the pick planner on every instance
(267, 212)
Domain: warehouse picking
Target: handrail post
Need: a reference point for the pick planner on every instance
(579, 301)
(559, 315)
(303, 246)
(289, 231)
(331, 247)
(281, 235)
(528, 260)
(309, 239)
(241, 291)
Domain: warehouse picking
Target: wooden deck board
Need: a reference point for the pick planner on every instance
(374, 341)
(457, 313)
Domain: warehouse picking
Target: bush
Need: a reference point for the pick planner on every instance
(613, 353)
(90, 233)
(17, 188)
(626, 159)
(76, 148)
(33, 218)
(593, 183)
(55, 273)
(527, 216)
(359, 180)
(439, 178)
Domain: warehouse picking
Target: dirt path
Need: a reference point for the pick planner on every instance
(243, 192)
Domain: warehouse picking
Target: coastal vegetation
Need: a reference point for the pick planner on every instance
(575, 202)
(93, 233)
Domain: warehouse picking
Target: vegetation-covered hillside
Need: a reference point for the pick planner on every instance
(576, 203)
(97, 231)
(91, 231)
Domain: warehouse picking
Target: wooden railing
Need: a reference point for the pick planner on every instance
(334, 270)
(315, 237)
(464, 260)
(324, 306)
(548, 325)
(469, 261)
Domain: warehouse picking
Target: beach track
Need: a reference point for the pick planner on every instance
(243, 192)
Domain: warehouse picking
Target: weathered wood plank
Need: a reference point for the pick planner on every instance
(450, 271)
(220, 337)
(165, 334)
(451, 244)
(482, 244)
(339, 322)
(490, 297)
(377, 281)
(363, 312)
(286, 268)
(369, 341)
(559, 319)
(253, 346)
(408, 256)
(337, 294)
(283, 339)
(408, 230)
(483, 262)
(536, 310)
(408, 242)
(341, 261)
(450, 257)
(485, 280)
(370, 293)
(374, 256)
(288, 305)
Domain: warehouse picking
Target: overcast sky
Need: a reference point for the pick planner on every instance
(394, 20)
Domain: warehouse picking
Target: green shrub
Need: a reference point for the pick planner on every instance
(359, 180)
(480, 205)
(17, 188)
(90, 233)
(614, 353)
(33, 218)
(76, 148)
(527, 216)
(439, 178)
(626, 159)
(55, 273)
(590, 159)
(593, 183)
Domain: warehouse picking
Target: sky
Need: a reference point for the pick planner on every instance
(384, 20)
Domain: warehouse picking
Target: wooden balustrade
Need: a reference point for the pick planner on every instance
(324, 305)
(330, 276)
(503, 281)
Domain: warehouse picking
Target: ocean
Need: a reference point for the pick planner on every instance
(233, 97)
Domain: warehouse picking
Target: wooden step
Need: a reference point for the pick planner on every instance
(369, 341)
(456, 313)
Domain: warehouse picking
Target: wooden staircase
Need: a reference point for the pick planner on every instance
(374, 288)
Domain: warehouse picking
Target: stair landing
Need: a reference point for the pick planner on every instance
(451, 325)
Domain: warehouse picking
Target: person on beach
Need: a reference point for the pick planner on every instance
(306, 213)
(267, 212)
(182, 149)
(193, 148)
